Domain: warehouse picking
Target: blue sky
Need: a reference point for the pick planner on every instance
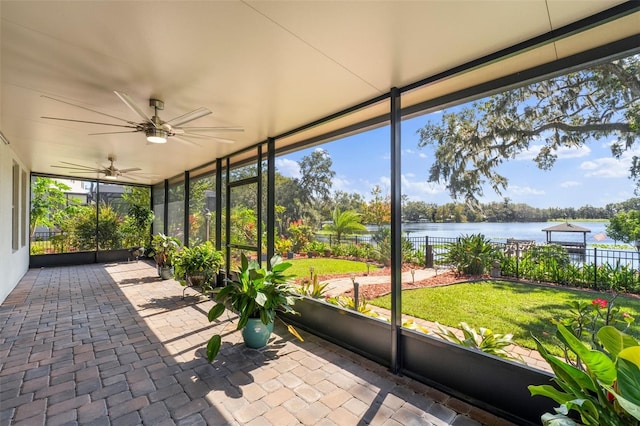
(585, 176)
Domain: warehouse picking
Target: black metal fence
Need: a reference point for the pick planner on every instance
(50, 242)
(431, 250)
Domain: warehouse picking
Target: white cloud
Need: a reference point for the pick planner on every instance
(418, 189)
(610, 167)
(588, 165)
(341, 184)
(570, 184)
(524, 190)
(422, 155)
(563, 153)
(288, 168)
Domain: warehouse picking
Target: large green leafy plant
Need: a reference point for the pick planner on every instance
(202, 261)
(255, 292)
(603, 389)
(471, 254)
(165, 248)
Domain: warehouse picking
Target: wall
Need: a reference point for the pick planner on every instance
(13, 264)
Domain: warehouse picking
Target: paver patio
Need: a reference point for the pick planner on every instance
(112, 344)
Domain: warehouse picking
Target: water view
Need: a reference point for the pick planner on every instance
(500, 232)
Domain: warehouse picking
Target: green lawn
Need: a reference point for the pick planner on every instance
(517, 308)
(326, 266)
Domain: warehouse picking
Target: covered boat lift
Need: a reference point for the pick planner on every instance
(571, 246)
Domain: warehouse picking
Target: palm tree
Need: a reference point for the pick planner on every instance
(346, 222)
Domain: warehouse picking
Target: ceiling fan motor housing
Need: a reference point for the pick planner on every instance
(156, 103)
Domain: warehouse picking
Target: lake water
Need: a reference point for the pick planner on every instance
(500, 232)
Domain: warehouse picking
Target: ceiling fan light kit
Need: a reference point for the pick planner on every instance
(156, 135)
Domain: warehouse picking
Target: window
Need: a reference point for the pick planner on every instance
(23, 210)
(15, 207)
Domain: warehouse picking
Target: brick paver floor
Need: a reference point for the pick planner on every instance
(112, 344)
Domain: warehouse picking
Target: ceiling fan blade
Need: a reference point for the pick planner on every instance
(88, 109)
(86, 169)
(211, 129)
(132, 169)
(90, 122)
(188, 142)
(114, 133)
(76, 165)
(190, 116)
(135, 108)
(143, 175)
(208, 137)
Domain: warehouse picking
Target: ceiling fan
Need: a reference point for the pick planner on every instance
(109, 172)
(155, 129)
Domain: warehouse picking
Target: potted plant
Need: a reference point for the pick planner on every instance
(198, 266)
(255, 294)
(165, 248)
(283, 247)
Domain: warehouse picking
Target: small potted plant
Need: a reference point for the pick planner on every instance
(198, 266)
(165, 247)
(283, 247)
(255, 294)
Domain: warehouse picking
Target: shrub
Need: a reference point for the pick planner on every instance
(300, 236)
(471, 254)
(483, 340)
(85, 229)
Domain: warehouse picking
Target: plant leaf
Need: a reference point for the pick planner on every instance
(549, 419)
(213, 347)
(611, 339)
(629, 377)
(628, 406)
(261, 298)
(597, 363)
(215, 311)
(550, 392)
(574, 378)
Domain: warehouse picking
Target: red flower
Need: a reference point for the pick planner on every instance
(600, 303)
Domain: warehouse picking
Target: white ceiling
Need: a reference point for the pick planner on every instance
(267, 66)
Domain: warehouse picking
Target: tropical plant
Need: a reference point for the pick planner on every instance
(136, 228)
(316, 246)
(255, 292)
(49, 204)
(382, 238)
(345, 222)
(483, 340)
(300, 235)
(348, 302)
(313, 288)
(283, 246)
(165, 247)
(587, 318)
(470, 254)
(85, 231)
(605, 390)
(202, 263)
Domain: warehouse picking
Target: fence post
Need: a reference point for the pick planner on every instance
(517, 261)
(595, 268)
(428, 254)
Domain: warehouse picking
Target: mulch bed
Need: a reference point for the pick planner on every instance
(371, 291)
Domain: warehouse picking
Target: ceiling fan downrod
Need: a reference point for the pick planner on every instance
(157, 134)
